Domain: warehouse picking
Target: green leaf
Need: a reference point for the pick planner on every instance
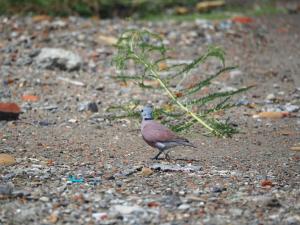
(213, 96)
(207, 81)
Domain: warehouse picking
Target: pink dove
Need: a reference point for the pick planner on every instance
(157, 135)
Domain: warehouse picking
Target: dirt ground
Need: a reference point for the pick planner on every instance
(252, 178)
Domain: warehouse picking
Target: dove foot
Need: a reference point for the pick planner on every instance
(156, 157)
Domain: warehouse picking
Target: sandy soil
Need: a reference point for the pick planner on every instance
(252, 178)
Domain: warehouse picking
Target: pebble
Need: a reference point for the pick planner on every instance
(7, 160)
(146, 172)
(50, 58)
(235, 73)
(6, 189)
(184, 207)
(290, 108)
(100, 216)
(217, 189)
(44, 199)
(123, 209)
(176, 167)
(270, 97)
(87, 106)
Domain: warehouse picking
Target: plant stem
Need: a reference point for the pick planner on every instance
(178, 102)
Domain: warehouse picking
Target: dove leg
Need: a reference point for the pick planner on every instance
(156, 157)
(167, 156)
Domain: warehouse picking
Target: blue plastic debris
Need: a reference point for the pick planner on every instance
(73, 179)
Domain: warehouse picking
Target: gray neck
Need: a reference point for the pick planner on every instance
(148, 118)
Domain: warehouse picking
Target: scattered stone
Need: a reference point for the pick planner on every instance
(175, 168)
(44, 199)
(271, 115)
(70, 81)
(184, 207)
(242, 20)
(109, 40)
(7, 160)
(296, 147)
(9, 111)
(266, 183)
(58, 24)
(30, 98)
(53, 218)
(72, 120)
(100, 216)
(128, 172)
(290, 108)
(236, 211)
(50, 58)
(23, 61)
(124, 209)
(6, 189)
(146, 172)
(217, 189)
(181, 10)
(235, 73)
(270, 97)
(273, 202)
(88, 106)
(292, 220)
(205, 6)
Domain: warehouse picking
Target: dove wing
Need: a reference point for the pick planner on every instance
(155, 132)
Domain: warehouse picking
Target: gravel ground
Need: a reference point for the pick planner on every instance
(73, 166)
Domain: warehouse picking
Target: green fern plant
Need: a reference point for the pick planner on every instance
(146, 50)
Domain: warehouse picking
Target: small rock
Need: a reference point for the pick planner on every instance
(205, 6)
(266, 183)
(100, 216)
(184, 207)
(23, 61)
(292, 220)
(146, 172)
(70, 81)
(88, 106)
(124, 210)
(7, 160)
(290, 108)
(9, 111)
(166, 167)
(129, 171)
(100, 87)
(6, 189)
(53, 218)
(235, 73)
(296, 147)
(273, 202)
(44, 199)
(217, 189)
(109, 40)
(50, 58)
(58, 24)
(271, 115)
(49, 107)
(236, 211)
(270, 97)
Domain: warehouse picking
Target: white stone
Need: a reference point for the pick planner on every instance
(124, 209)
(50, 58)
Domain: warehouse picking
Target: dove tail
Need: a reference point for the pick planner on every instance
(186, 142)
(189, 144)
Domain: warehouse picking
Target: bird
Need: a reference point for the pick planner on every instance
(159, 136)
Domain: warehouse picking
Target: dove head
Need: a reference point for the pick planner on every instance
(147, 112)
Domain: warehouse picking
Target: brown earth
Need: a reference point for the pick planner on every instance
(252, 178)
